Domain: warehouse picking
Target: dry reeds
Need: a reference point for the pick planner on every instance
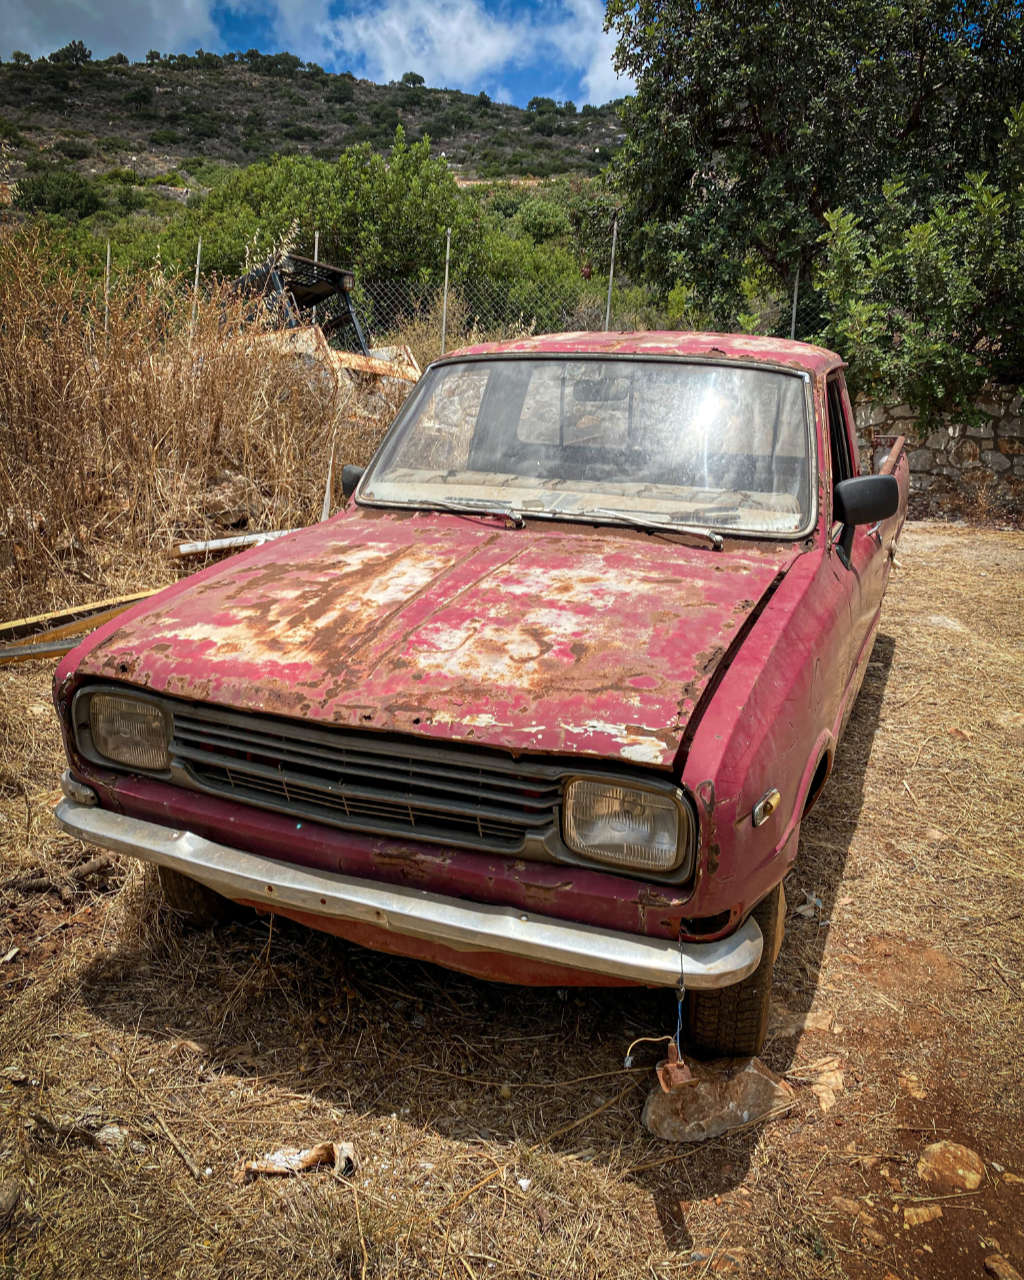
(146, 416)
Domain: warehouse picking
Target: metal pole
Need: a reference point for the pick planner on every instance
(796, 294)
(106, 293)
(444, 300)
(195, 289)
(316, 259)
(611, 277)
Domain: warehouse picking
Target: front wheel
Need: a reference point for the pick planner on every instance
(730, 1022)
(200, 906)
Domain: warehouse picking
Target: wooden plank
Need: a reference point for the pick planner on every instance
(78, 618)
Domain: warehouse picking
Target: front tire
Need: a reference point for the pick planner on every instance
(731, 1022)
(201, 907)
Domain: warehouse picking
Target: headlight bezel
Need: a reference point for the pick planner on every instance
(680, 871)
(84, 738)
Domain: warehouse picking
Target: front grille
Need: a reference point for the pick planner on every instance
(365, 783)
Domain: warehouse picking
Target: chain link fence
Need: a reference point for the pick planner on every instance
(431, 319)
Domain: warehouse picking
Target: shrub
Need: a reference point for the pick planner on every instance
(59, 191)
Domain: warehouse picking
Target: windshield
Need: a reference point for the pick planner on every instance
(677, 442)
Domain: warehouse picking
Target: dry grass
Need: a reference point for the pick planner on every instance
(453, 1091)
(148, 416)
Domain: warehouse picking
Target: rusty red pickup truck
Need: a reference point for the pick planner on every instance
(546, 701)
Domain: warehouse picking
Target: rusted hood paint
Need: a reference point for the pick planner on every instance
(542, 639)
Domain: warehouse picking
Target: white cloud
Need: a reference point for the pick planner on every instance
(107, 26)
(467, 44)
(582, 42)
(459, 43)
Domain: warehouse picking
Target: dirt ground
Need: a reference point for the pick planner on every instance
(495, 1130)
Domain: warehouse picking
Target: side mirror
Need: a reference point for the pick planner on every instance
(350, 477)
(863, 500)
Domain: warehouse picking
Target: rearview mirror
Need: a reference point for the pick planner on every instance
(350, 477)
(863, 500)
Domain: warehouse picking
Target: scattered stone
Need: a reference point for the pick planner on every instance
(1012, 1178)
(915, 1215)
(996, 1265)
(729, 1093)
(948, 1166)
(10, 1198)
(845, 1205)
(783, 1022)
(874, 1237)
(910, 1083)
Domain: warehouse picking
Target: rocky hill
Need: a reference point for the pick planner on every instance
(178, 110)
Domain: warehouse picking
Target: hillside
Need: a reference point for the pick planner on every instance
(180, 110)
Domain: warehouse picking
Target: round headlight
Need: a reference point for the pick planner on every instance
(129, 731)
(623, 826)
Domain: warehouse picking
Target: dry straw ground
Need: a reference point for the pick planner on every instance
(495, 1131)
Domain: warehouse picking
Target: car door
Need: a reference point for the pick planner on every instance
(856, 574)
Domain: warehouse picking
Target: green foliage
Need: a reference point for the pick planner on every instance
(73, 148)
(544, 220)
(412, 78)
(153, 57)
(21, 59)
(929, 310)
(748, 126)
(74, 54)
(58, 191)
(340, 90)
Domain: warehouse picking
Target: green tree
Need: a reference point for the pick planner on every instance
(75, 54)
(412, 78)
(929, 310)
(748, 126)
(153, 57)
(21, 59)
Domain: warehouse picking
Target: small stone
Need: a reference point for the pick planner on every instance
(845, 1205)
(874, 1237)
(949, 1166)
(921, 460)
(728, 1093)
(996, 1265)
(916, 1215)
(112, 1137)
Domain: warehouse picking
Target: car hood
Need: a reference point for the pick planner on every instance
(545, 639)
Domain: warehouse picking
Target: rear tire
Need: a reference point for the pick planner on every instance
(731, 1022)
(199, 905)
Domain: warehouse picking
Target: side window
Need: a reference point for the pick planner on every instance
(839, 440)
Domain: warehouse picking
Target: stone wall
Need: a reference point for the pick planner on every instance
(954, 459)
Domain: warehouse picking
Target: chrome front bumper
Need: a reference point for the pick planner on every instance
(417, 913)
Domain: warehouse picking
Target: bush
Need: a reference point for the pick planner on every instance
(73, 148)
(59, 191)
(929, 310)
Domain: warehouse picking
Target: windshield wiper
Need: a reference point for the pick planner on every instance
(476, 507)
(661, 526)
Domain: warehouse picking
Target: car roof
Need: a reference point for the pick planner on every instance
(715, 346)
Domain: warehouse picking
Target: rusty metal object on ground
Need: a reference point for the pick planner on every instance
(673, 1071)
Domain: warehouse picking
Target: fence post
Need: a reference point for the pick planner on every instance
(444, 300)
(796, 294)
(195, 291)
(316, 259)
(611, 277)
(106, 294)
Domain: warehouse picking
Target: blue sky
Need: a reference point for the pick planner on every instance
(513, 50)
